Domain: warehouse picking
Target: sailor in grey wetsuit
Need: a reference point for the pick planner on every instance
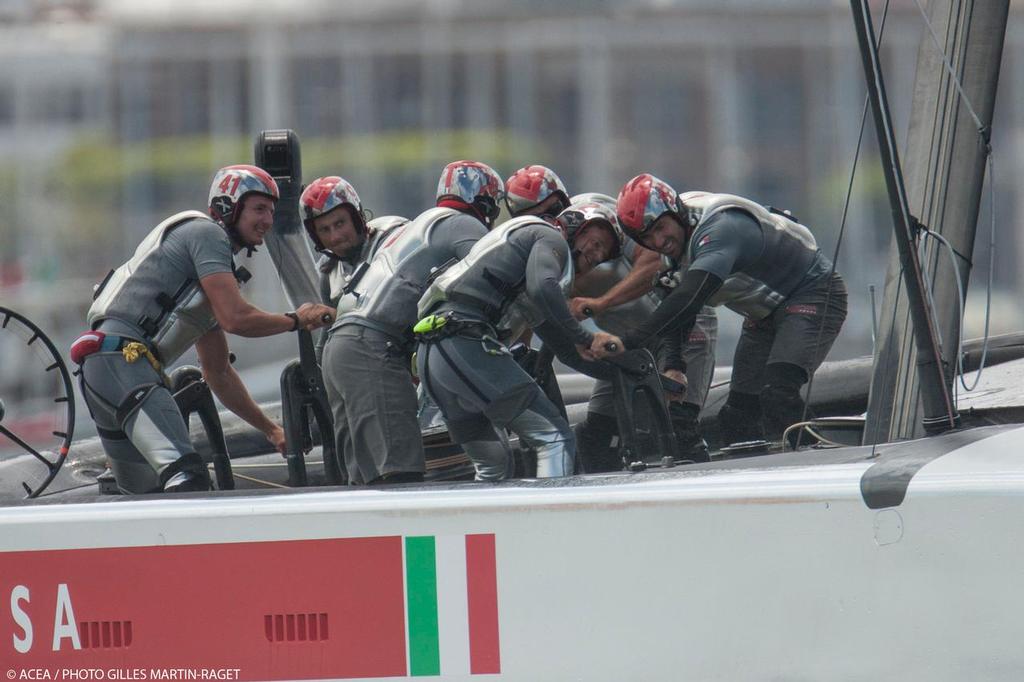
(366, 362)
(471, 374)
(337, 224)
(759, 262)
(180, 289)
(619, 295)
(535, 190)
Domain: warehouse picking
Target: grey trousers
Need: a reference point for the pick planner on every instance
(481, 390)
(373, 400)
(132, 399)
(800, 332)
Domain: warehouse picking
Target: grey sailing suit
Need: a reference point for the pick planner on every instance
(154, 298)
(470, 373)
(765, 266)
(698, 347)
(366, 362)
(336, 271)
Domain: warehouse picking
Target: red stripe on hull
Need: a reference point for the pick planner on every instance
(482, 586)
(216, 606)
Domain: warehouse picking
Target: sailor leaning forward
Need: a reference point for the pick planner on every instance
(180, 289)
(761, 263)
(467, 369)
(366, 362)
(619, 296)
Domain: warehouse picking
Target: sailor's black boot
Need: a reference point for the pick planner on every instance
(597, 444)
(398, 477)
(686, 425)
(740, 419)
(186, 475)
(187, 482)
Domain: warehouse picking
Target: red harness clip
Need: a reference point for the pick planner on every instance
(85, 345)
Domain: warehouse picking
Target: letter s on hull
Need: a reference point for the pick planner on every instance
(24, 643)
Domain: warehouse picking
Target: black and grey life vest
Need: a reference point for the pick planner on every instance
(170, 315)
(491, 279)
(788, 255)
(370, 302)
(343, 274)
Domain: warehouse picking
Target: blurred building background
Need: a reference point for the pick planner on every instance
(115, 113)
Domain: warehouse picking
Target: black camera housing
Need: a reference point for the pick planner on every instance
(278, 152)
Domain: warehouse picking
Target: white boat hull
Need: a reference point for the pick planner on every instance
(751, 572)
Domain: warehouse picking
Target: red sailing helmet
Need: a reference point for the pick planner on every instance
(230, 186)
(475, 183)
(322, 196)
(531, 185)
(578, 216)
(642, 201)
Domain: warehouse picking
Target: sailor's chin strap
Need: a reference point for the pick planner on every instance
(236, 239)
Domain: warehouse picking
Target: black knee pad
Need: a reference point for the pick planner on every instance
(597, 443)
(740, 419)
(780, 398)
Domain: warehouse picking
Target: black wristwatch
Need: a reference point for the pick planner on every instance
(295, 321)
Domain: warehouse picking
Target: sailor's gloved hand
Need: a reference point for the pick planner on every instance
(582, 307)
(276, 438)
(314, 315)
(675, 375)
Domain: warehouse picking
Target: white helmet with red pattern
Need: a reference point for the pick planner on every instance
(530, 186)
(642, 201)
(229, 188)
(593, 198)
(578, 216)
(322, 196)
(474, 183)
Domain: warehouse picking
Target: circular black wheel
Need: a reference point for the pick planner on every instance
(37, 404)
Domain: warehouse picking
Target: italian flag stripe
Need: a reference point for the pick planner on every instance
(453, 611)
(421, 604)
(482, 589)
(452, 605)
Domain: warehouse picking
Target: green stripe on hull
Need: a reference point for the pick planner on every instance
(421, 593)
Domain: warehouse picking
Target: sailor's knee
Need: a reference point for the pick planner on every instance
(780, 398)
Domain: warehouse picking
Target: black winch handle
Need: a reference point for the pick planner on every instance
(588, 311)
(327, 318)
(611, 347)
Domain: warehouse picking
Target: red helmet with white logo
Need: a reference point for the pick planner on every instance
(322, 196)
(531, 185)
(475, 183)
(578, 216)
(642, 201)
(230, 186)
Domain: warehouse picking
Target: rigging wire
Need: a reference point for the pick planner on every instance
(842, 226)
(984, 133)
(952, 73)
